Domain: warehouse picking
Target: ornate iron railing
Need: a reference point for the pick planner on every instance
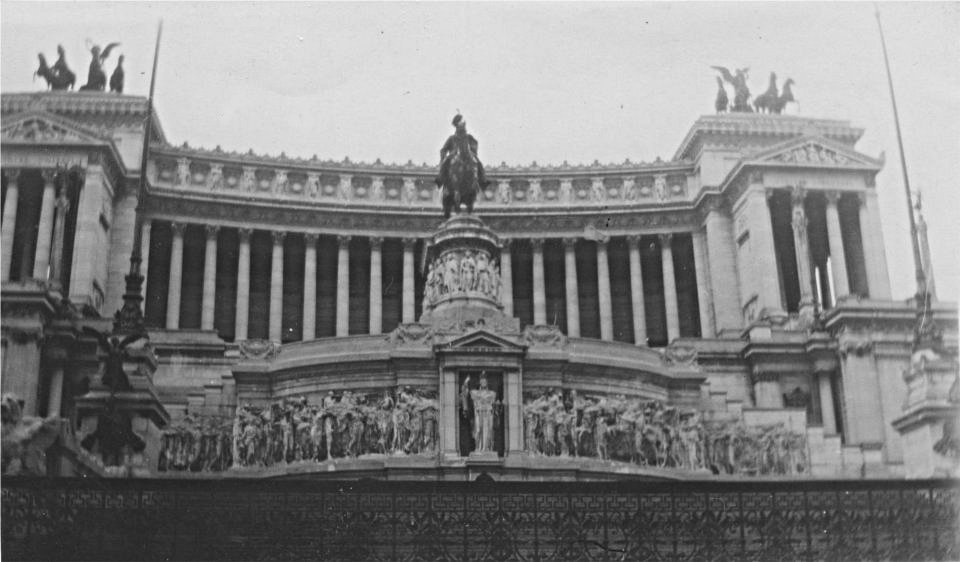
(51, 519)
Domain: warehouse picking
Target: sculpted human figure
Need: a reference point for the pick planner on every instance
(452, 273)
(97, 78)
(329, 414)
(430, 410)
(467, 270)
(530, 419)
(483, 399)
(483, 273)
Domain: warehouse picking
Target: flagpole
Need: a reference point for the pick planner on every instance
(129, 319)
(921, 276)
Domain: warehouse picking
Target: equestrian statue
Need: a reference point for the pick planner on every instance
(461, 172)
(59, 76)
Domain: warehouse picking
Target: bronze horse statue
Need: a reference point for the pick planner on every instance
(767, 101)
(461, 185)
(55, 80)
(786, 96)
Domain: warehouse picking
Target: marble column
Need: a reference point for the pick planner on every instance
(724, 278)
(243, 285)
(409, 282)
(826, 403)
(704, 295)
(603, 290)
(838, 259)
(539, 287)
(572, 292)
(801, 247)
(55, 392)
(176, 276)
(636, 292)
(7, 229)
(310, 287)
(276, 287)
(764, 271)
(41, 263)
(59, 239)
(209, 278)
(144, 246)
(669, 287)
(878, 279)
(506, 278)
(343, 286)
(376, 286)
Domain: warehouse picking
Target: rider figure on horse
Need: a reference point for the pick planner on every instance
(467, 145)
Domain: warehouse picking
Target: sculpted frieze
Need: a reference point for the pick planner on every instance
(463, 272)
(544, 336)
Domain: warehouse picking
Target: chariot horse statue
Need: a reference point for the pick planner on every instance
(461, 172)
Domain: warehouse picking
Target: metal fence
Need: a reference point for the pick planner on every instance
(84, 519)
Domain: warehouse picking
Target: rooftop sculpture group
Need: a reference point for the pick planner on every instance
(770, 101)
(60, 77)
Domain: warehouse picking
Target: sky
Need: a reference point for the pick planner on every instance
(537, 81)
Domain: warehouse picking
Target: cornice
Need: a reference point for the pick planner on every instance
(755, 124)
(314, 163)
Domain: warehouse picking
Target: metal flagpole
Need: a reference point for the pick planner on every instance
(921, 276)
(129, 319)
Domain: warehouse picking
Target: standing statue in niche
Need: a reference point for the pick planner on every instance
(461, 172)
(483, 403)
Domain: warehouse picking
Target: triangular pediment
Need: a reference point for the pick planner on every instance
(814, 152)
(482, 339)
(45, 128)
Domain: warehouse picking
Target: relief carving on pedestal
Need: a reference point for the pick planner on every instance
(461, 272)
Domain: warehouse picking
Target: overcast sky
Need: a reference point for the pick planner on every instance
(537, 82)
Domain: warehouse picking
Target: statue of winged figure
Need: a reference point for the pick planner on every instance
(97, 78)
(741, 95)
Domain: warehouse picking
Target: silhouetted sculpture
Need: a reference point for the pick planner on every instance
(722, 101)
(58, 77)
(767, 101)
(786, 96)
(741, 94)
(96, 77)
(116, 79)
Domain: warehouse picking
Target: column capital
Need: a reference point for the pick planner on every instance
(666, 238)
(409, 243)
(212, 230)
(376, 242)
(343, 240)
(245, 234)
(505, 244)
(12, 174)
(178, 228)
(832, 197)
(570, 242)
(798, 194)
(311, 237)
(536, 244)
(278, 236)
(861, 197)
(49, 174)
(633, 241)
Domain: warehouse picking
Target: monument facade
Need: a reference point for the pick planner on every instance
(724, 313)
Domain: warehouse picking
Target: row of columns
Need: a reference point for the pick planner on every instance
(49, 207)
(603, 287)
(276, 282)
(874, 264)
(408, 293)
